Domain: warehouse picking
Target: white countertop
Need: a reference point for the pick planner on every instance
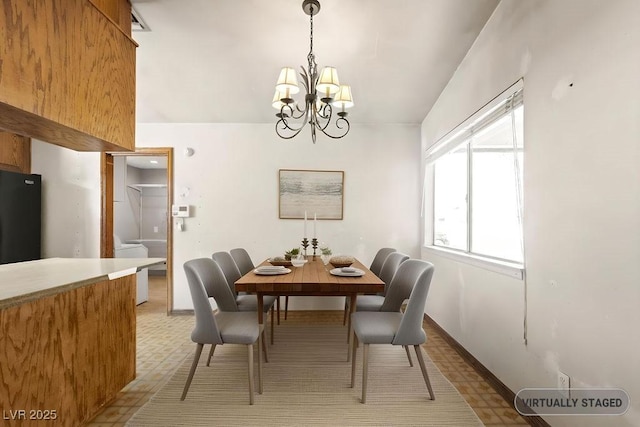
(26, 281)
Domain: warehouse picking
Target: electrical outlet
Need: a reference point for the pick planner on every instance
(564, 383)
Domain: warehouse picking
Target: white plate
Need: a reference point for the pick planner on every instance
(339, 272)
(270, 268)
(271, 272)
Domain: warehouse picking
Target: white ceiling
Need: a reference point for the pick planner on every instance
(147, 162)
(217, 61)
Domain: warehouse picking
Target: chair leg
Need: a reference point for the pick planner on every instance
(272, 320)
(286, 306)
(353, 359)
(424, 370)
(348, 325)
(250, 361)
(346, 311)
(213, 348)
(264, 345)
(278, 303)
(365, 371)
(406, 348)
(260, 344)
(193, 370)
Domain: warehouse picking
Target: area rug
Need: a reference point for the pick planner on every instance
(306, 382)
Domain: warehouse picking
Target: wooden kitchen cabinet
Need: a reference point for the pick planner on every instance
(15, 153)
(67, 74)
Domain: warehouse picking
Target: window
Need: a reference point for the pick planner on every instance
(477, 182)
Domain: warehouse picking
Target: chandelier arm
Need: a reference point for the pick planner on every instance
(346, 126)
(324, 117)
(286, 127)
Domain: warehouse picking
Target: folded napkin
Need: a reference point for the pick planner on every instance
(349, 270)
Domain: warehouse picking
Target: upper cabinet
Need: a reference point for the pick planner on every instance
(67, 72)
(15, 153)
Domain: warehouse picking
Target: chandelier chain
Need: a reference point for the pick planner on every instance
(311, 57)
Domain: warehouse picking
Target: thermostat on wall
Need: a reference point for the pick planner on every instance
(180, 211)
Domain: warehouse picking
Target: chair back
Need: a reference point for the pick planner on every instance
(215, 284)
(229, 268)
(206, 330)
(242, 260)
(410, 331)
(402, 284)
(390, 267)
(378, 260)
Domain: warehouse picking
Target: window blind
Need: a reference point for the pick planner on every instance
(495, 109)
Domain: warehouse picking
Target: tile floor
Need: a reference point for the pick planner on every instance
(163, 343)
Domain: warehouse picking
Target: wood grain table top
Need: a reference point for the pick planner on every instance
(313, 278)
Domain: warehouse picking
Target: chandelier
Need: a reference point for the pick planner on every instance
(323, 93)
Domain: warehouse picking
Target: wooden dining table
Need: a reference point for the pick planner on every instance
(312, 279)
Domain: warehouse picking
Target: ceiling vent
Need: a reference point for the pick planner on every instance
(137, 24)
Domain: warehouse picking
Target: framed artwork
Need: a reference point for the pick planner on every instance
(317, 192)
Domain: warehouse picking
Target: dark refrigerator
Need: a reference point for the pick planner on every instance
(20, 218)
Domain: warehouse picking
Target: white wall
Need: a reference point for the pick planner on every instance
(154, 205)
(140, 211)
(580, 64)
(70, 200)
(126, 212)
(233, 191)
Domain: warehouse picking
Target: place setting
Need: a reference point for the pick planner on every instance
(347, 272)
(271, 270)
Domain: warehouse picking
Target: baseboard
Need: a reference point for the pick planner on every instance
(488, 376)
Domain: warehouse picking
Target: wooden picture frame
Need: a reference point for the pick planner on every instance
(318, 192)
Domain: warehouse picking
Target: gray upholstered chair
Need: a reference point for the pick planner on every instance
(376, 267)
(216, 287)
(388, 270)
(245, 264)
(390, 326)
(223, 327)
(374, 302)
(243, 302)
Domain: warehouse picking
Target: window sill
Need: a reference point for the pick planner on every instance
(510, 269)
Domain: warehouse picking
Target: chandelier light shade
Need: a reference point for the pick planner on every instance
(328, 82)
(323, 92)
(343, 99)
(287, 82)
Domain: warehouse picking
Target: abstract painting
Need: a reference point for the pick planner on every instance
(315, 192)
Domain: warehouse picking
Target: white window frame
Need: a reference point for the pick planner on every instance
(453, 139)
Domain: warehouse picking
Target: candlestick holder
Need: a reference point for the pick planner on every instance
(314, 244)
(305, 245)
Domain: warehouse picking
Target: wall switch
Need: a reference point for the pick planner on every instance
(564, 383)
(155, 229)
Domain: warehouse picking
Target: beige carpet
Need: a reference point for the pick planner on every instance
(306, 382)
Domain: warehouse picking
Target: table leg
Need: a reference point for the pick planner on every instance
(260, 296)
(352, 309)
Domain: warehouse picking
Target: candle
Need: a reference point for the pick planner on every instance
(315, 220)
(305, 224)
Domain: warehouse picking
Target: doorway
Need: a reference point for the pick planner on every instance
(140, 201)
